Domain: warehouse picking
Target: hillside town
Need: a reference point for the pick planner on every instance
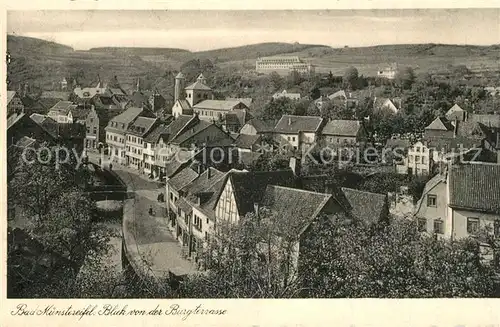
(218, 174)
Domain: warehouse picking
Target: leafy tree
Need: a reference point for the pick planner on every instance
(276, 82)
(53, 209)
(350, 77)
(395, 261)
(314, 93)
(274, 109)
(248, 259)
(294, 79)
(405, 77)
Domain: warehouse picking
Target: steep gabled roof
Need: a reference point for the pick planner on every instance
(260, 126)
(183, 178)
(296, 124)
(476, 187)
(193, 130)
(366, 206)
(441, 124)
(247, 141)
(184, 104)
(342, 127)
(128, 115)
(249, 186)
(455, 108)
(141, 126)
(296, 208)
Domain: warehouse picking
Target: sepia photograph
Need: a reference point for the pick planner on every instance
(252, 154)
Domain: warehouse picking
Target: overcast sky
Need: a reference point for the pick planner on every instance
(201, 30)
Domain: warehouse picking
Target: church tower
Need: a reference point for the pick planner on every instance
(202, 79)
(179, 87)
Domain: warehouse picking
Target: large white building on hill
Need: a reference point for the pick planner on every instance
(283, 65)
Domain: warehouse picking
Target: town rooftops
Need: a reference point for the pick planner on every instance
(393, 143)
(492, 135)
(475, 186)
(183, 178)
(237, 117)
(342, 127)
(296, 124)
(246, 101)
(486, 119)
(338, 94)
(10, 96)
(89, 92)
(170, 131)
(193, 130)
(366, 206)
(184, 104)
(141, 126)
(260, 126)
(202, 181)
(455, 108)
(249, 186)
(198, 86)
(126, 117)
(441, 124)
(222, 105)
(447, 144)
(62, 95)
(247, 141)
(297, 208)
(80, 113)
(63, 107)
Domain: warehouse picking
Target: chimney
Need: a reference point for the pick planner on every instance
(289, 121)
(198, 200)
(209, 173)
(256, 209)
(294, 164)
(455, 128)
(200, 169)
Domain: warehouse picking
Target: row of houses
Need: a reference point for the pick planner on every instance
(140, 140)
(457, 135)
(200, 203)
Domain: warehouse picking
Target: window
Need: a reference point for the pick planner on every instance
(417, 159)
(91, 120)
(496, 228)
(438, 227)
(197, 222)
(293, 138)
(425, 172)
(206, 236)
(424, 160)
(472, 225)
(422, 224)
(179, 212)
(418, 149)
(410, 159)
(95, 130)
(431, 200)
